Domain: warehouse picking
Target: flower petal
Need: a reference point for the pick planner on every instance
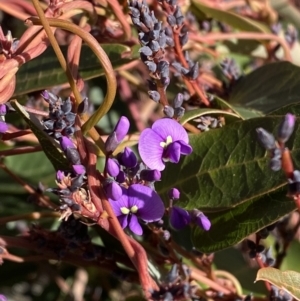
(134, 225)
(179, 218)
(121, 202)
(172, 152)
(168, 127)
(150, 149)
(186, 149)
(123, 220)
(150, 205)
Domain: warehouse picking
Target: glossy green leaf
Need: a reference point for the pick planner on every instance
(287, 280)
(231, 226)
(227, 17)
(268, 88)
(228, 166)
(242, 112)
(50, 147)
(45, 71)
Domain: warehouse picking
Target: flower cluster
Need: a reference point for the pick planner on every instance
(154, 38)
(60, 125)
(61, 119)
(130, 184)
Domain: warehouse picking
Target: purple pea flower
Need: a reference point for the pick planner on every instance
(179, 218)
(138, 201)
(165, 141)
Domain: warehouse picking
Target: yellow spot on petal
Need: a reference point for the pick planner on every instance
(134, 209)
(168, 141)
(124, 210)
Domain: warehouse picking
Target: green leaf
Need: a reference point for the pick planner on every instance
(50, 146)
(227, 167)
(190, 115)
(45, 71)
(243, 113)
(230, 18)
(288, 280)
(268, 88)
(231, 226)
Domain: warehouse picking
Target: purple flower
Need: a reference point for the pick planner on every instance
(3, 110)
(200, 219)
(66, 143)
(79, 169)
(137, 201)
(3, 127)
(179, 218)
(165, 141)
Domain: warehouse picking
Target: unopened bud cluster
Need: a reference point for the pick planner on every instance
(71, 183)
(275, 147)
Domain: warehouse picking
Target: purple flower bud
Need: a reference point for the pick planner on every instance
(171, 20)
(179, 112)
(184, 39)
(174, 194)
(200, 219)
(147, 20)
(145, 50)
(178, 15)
(60, 175)
(165, 81)
(150, 175)
(266, 139)
(111, 143)
(122, 128)
(3, 127)
(128, 158)
(154, 46)
(170, 41)
(162, 40)
(153, 34)
(168, 111)
(151, 66)
(112, 167)
(134, 12)
(72, 155)
(144, 38)
(178, 100)
(154, 95)
(121, 177)
(194, 71)
(66, 106)
(286, 128)
(163, 68)
(66, 143)
(113, 191)
(79, 169)
(3, 110)
(179, 218)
